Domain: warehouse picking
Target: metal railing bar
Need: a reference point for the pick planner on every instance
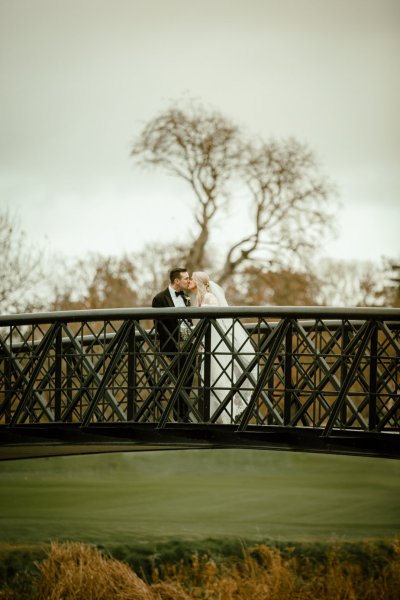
(92, 374)
(114, 348)
(147, 313)
(331, 377)
(330, 325)
(390, 413)
(18, 369)
(247, 373)
(183, 375)
(41, 354)
(156, 391)
(167, 374)
(279, 334)
(369, 327)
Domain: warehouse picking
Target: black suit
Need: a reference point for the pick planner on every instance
(168, 333)
(168, 329)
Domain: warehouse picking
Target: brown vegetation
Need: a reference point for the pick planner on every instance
(75, 571)
(264, 574)
(98, 281)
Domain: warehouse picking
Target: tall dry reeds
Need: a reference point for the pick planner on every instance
(264, 574)
(76, 571)
(261, 574)
(79, 572)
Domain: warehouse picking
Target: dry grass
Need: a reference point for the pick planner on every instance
(263, 574)
(80, 572)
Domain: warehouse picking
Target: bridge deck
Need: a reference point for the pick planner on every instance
(30, 442)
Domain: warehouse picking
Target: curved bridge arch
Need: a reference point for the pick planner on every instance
(316, 379)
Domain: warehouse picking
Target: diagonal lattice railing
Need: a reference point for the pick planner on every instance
(332, 371)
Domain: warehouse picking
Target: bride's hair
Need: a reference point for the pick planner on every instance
(202, 280)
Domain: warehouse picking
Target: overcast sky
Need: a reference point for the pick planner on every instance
(80, 78)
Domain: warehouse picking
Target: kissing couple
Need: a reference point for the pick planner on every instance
(230, 354)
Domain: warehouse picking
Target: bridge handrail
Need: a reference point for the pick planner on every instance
(307, 325)
(279, 312)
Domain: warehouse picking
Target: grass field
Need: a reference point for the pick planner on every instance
(190, 495)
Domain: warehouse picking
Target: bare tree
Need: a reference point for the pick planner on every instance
(202, 148)
(280, 182)
(390, 292)
(350, 283)
(96, 282)
(153, 264)
(284, 287)
(288, 199)
(99, 281)
(20, 269)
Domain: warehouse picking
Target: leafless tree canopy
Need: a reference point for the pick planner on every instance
(201, 148)
(95, 282)
(289, 202)
(20, 268)
(279, 180)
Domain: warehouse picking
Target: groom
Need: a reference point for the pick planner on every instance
(172, 332)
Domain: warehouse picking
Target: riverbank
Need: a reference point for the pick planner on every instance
(204, 570)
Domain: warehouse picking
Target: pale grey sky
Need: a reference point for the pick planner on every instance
(80, 78)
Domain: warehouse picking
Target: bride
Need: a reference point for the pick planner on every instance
(225, 368)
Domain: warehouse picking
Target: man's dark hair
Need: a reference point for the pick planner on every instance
(176, 273)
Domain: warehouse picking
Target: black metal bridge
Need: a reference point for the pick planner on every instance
(302, 379)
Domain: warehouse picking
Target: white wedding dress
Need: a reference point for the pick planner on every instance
(225, 369)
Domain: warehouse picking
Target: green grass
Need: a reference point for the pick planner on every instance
(140, 498)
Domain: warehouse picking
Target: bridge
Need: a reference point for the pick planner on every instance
(305, 379)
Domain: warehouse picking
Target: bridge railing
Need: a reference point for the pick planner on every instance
(246, 367)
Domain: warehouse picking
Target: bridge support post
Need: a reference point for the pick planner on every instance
(7, 391)
(131, 359)
(207, 374)
(69, 378)
(344, 367)
(58, 376)
(288, 375)
(372, 422)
